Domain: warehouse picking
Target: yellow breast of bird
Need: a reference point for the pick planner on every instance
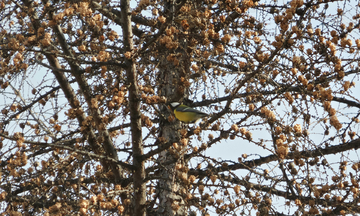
(185, 116)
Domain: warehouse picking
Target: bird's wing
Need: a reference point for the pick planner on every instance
(189, 109)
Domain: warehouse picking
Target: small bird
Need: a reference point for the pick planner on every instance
(186, 114)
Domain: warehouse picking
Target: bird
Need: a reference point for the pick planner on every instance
(186, 114)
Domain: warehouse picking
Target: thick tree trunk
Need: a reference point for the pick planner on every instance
(171, 188)
(170, 191)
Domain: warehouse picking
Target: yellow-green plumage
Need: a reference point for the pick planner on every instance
(186, 114)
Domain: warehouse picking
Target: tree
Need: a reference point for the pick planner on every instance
(85, 126)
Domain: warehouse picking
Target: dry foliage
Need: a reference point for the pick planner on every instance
(85, 128)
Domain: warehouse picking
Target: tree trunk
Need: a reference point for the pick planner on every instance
(135, 115)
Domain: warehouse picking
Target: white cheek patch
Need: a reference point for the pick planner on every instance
(174, 104)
